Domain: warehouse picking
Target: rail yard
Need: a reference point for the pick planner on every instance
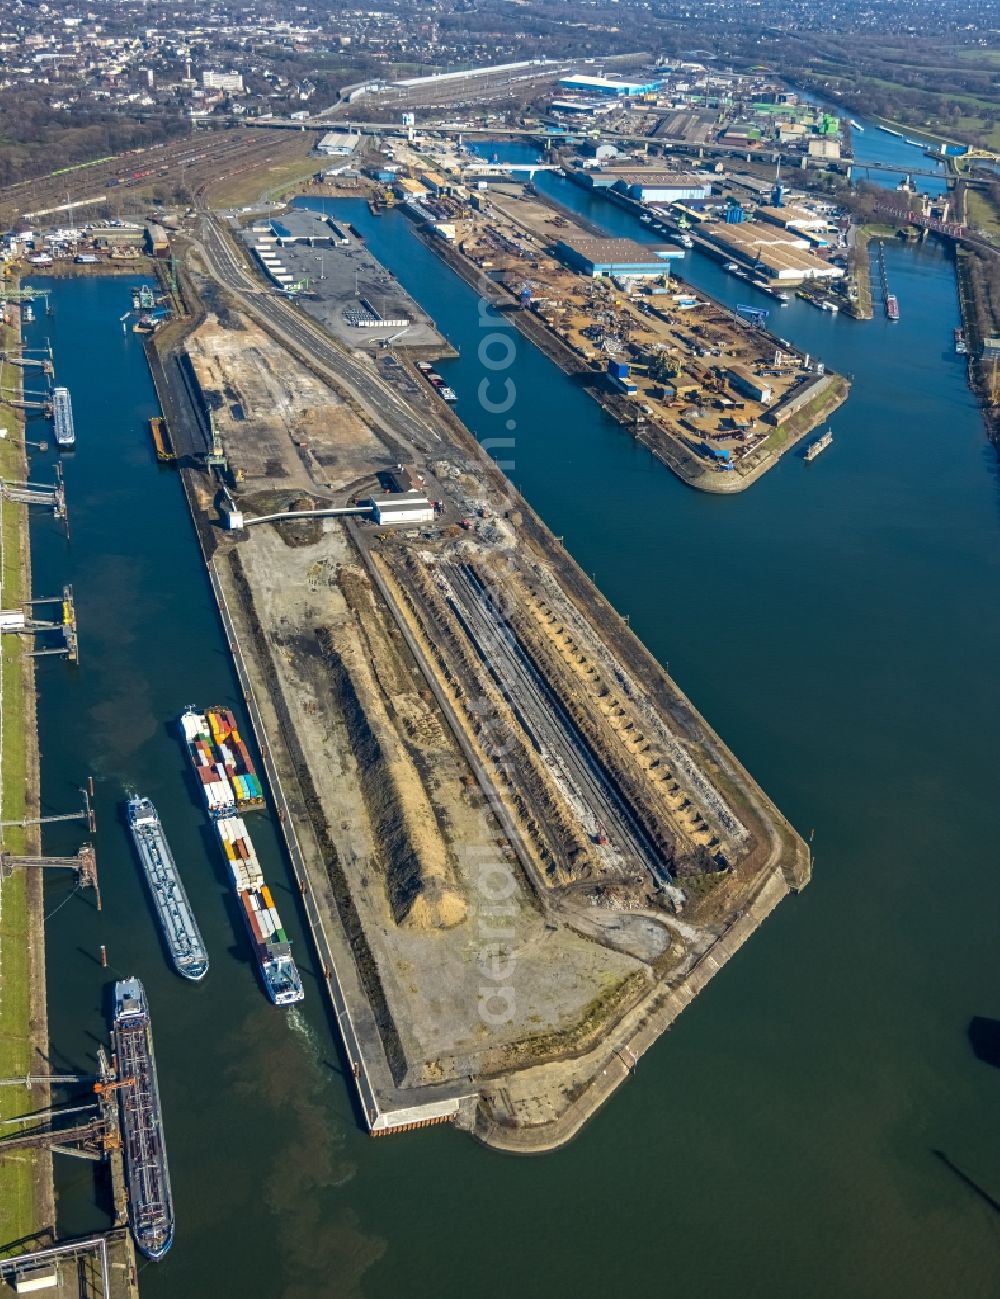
(522, 849)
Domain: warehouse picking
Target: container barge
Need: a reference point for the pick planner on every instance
(221, 760)
(62, 417)
(180, 929)
(213, 743)
(268, 938)
(436, 381)
(150, 1204)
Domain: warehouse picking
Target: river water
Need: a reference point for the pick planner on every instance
(836, 623)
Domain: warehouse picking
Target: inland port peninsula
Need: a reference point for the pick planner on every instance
(710, 392)
(521, 850)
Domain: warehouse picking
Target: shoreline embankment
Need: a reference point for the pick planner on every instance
(27, 1198)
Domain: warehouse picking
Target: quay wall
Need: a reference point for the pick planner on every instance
(640, 1028)
(379, 1119)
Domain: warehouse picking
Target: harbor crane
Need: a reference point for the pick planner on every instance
(25, 294)
(104, 1087)
(388, 342)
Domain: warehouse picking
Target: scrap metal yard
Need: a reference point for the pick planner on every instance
(712, 394)
(521, 849)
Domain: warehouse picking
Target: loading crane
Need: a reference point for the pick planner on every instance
(104, 1087)
(24, 400)
(22, 622)
(84, 862)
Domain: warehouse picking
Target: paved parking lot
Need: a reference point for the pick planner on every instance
(347, 284)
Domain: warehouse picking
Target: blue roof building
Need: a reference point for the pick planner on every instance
(605, 86)
(621, 258)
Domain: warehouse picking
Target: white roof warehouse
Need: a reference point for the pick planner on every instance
(403, 507)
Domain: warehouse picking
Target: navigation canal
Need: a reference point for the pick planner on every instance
(817, 1123)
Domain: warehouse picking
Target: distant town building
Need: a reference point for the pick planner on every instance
(338, 143)
(231, 82)
(824, 148)
(156, 240)
(605, 86)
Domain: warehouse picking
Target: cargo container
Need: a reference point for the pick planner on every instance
(221, 760)
(209, 737)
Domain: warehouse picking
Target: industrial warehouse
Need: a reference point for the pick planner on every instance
(622, 258)
(606, 86)
(779, 256)
(653, 186)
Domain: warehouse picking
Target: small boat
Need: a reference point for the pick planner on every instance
(447, 394)
(856, 126)
(730, 266)
(819, 445)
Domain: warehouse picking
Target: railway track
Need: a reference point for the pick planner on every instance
(408, 433)
(574, 765)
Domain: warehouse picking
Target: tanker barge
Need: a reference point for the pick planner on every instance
(150, 1204)
(62, 417)
(229, 783)
(180, 929)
